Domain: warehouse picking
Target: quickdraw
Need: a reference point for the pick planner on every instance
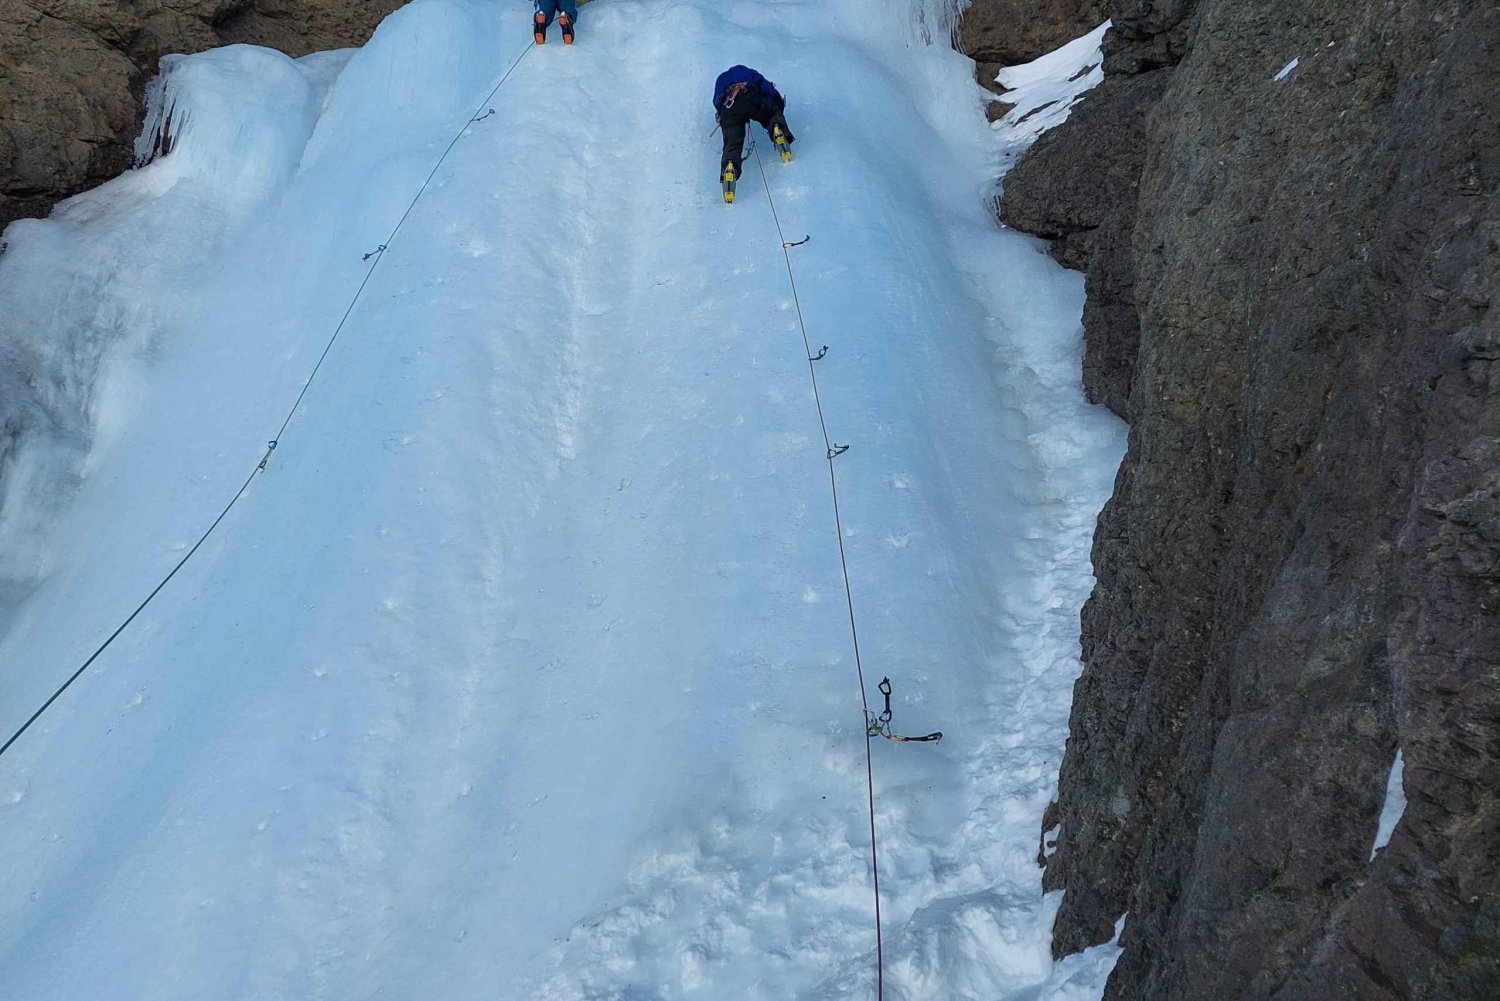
(880, 726)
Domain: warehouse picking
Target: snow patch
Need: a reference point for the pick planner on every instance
(1081, 976)
(1044, 90)
(1393, 808)
(1282, 73)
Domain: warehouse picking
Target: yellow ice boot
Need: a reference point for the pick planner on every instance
(778, 137)
(728, 178)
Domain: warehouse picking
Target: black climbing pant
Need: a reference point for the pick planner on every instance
(750, 106)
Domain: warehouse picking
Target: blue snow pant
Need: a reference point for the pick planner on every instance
(549, 8)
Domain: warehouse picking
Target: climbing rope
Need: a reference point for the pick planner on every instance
(374, 257)
(875, 726)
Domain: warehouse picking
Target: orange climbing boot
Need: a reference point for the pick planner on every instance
(539, 32)
(566, 23)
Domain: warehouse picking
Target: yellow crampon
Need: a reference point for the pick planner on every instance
(728, 178)
(778, 137)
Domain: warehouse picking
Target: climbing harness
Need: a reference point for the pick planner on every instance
(265, 459)
(880, 726)
(875, 726)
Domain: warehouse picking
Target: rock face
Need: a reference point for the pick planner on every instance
(1008, 32)
(1292, 290)
(72, 73)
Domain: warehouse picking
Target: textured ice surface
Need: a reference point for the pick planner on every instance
(524, 669)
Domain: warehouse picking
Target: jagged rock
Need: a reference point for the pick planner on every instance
(72, 73)
(1009, 32)
(65, 103)
(301, 26)
(1297, 571)
(1147, 34)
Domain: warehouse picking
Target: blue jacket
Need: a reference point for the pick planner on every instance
(746, 76)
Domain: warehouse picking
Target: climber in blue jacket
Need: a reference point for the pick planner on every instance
(742, 96)
(567, 19)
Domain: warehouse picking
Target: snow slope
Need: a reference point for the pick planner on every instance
(523, 671)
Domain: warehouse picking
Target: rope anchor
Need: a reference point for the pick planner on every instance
(378, 250)
(482, 117)
(837, 450)
(787, 246)
(880, 726)
(270, 447)
(822, 353)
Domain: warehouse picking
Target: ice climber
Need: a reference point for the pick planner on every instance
(742, 96)
(566, 12)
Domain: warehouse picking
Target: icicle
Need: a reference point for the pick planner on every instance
(164, 124)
